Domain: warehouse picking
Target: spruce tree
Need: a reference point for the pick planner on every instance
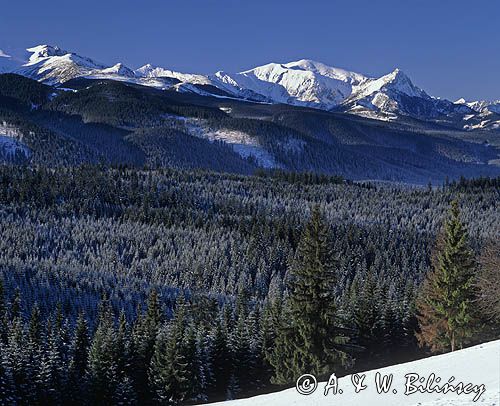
(221, 365)
(270, 326)
(203, 364)
(144, 334)
(446, 302)
(285, 356)
(194, 369)
(35, 327)
(3, 314)
(313, 338)
(50, 377)
(15, 308)
(241, 355)
(123, 352)
(78, 360)
(7, 389)
(19, 362)
(125, 393)
(154, 314)
(102, 366)
(7, 392)
(80, 347)
(367, 309)
(169, 370)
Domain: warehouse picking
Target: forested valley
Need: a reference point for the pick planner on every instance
(135, 286)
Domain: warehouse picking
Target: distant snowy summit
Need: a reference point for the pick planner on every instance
(485, 114)
(304, 83)
(482, 106)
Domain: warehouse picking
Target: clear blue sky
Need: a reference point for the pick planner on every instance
(449, 48)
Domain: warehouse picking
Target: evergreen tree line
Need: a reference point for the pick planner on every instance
(204, 352)
(209, 350)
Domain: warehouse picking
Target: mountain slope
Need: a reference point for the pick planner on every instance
(93, 120)
(477, 365)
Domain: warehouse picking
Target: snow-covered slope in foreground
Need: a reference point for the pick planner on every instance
(479, 365)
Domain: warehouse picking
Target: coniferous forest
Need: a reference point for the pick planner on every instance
(167, 286)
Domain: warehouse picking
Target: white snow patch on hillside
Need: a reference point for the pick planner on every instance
(242, 143)
(293, 145)
(477, 365)
(482, 125)
(9, 147)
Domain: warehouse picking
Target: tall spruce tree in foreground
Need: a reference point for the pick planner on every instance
(169, 371)
(78, 363)
(102, 367)
(312, 342)
(445, 305)
(144, 333)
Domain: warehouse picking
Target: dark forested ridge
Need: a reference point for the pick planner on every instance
(111, 122)
(218, 251)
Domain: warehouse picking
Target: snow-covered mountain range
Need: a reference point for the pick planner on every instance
(302, 83)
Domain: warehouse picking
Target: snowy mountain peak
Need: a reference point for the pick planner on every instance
(402, 83)
(44, 51)
(307, 64)
(144, 70)
(390, 85)
(52, 65)
(397, 75)
(397, 72)
(325, 70)
(118, 69)
(150, 71)
(43, 54)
